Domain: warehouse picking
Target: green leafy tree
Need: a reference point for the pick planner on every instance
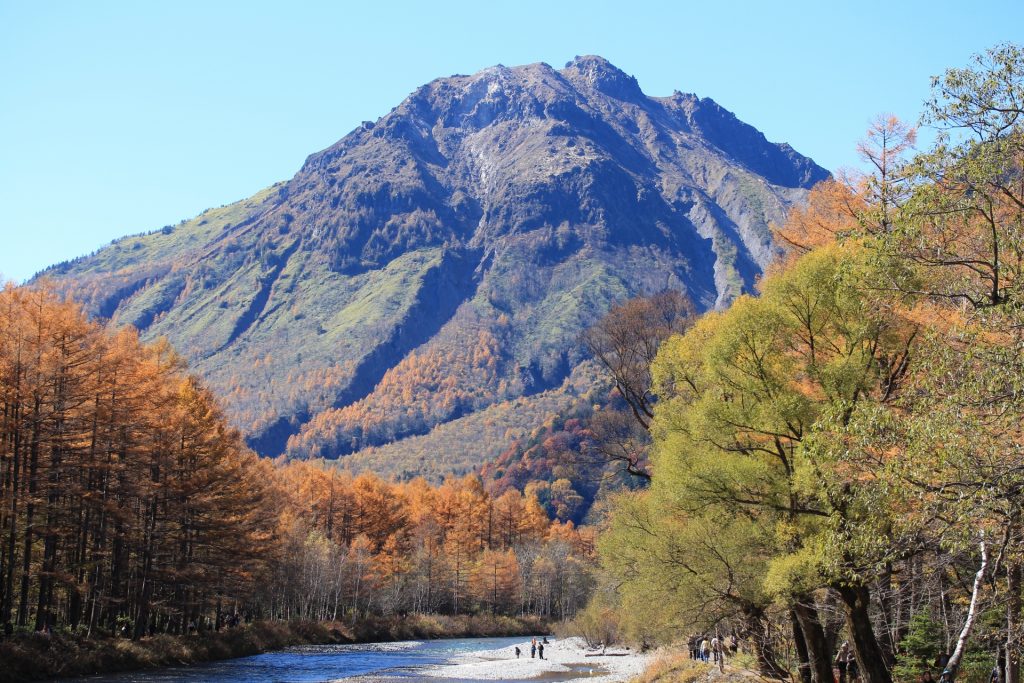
(919, 648)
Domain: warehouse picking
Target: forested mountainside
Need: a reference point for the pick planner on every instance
(446, 258)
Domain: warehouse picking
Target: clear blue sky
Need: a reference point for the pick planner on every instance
(121, 117)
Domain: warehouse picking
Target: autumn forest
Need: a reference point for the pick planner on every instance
(131, 507)
(834, 457)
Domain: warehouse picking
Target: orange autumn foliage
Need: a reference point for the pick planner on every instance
(831, 212)
(455, 547)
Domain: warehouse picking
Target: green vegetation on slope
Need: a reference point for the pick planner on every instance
(461, 446)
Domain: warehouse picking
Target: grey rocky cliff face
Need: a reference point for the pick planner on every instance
(482, 159)
(518, 202)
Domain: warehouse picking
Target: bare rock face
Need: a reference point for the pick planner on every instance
(447, 256)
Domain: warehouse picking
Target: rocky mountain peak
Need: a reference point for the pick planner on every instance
(597, 73)
(445, 258)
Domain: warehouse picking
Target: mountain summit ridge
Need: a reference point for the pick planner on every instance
(447, 256)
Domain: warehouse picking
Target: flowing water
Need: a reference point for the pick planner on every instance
(378, 662)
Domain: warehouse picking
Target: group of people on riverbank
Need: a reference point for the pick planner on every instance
(535, 648)
(712, 649)
(706, 648)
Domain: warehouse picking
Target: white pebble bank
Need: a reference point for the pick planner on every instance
(501, 664)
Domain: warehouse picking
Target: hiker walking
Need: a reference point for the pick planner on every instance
(841, 659)
(705, 647)
(533, 648)
(718, 652)
(851, 667)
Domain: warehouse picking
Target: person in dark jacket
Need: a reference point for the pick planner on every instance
(841, 658)
(851, 667)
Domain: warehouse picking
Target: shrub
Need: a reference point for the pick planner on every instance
(919, 648)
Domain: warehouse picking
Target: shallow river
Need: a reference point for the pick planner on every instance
(398, 662)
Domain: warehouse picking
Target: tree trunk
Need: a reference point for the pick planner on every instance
(754, 621)
(30, 509)
(972, 613)
(803, 659)
(47, 577)
(887, 640)
(7, 609)
(1013, 604)
(870, 657)
(818, 655)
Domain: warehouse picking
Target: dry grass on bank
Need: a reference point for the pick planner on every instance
(672, 666)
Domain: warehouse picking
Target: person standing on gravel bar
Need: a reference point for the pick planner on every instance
(540, 650)
(533, 648)
(517, 652)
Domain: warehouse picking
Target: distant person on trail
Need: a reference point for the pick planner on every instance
(716, 648)
(692, 643)
(517, 652)
(841, 657)
(533, 648)
(545, 640)
(705, 648)
(540, 650)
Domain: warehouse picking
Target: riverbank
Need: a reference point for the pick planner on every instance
(565, 659)
(36, 657)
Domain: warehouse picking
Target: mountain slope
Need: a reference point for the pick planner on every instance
(446, 257)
